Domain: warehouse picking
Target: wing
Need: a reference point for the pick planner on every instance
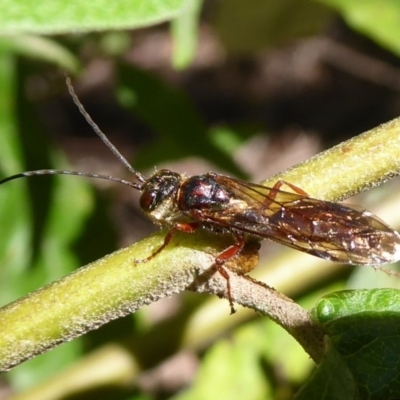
(328, 230)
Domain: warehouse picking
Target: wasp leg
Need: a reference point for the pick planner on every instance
(225, 256)
(295, 188)
(275, 190)
(188, 228)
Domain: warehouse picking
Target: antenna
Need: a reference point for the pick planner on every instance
(99, 132)
(105, 140)
(66, 172)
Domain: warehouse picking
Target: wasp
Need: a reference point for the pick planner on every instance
(331, 231)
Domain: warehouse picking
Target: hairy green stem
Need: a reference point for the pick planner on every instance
(115, 286)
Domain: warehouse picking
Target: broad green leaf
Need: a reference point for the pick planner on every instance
(378, 19)
(25, 16)
(332, 380)
(363, 327)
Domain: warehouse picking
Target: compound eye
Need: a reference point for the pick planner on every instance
(147, 200)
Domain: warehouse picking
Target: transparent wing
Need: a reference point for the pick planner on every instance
(331, 231)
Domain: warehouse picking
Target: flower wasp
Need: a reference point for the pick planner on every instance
(331, 231)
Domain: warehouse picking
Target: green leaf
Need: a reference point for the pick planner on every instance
(38, 227)
(332, 380)
(230, 370)
(25, 16)
(180, 129)
(226, 139)
(184, 31)
(71, 202)
(247, 26)
(41, 48)
(363, 327)
(378, 19)
(15, 218)
(39, 369)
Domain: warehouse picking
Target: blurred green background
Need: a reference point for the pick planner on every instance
(243, 88)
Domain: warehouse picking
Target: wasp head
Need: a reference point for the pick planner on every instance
(159, 194)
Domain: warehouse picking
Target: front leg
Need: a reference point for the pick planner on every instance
(185, 227)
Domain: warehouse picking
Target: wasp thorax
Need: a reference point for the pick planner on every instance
(158, 199)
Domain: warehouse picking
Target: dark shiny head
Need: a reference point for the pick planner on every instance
(158, 188)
